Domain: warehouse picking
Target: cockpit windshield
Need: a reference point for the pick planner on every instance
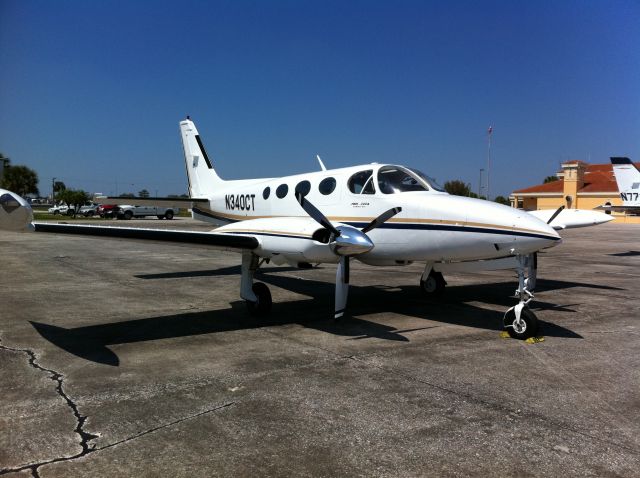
(428, 179)
(396, 179)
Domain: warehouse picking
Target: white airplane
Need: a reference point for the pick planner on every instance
(628, 179)
(379, 214)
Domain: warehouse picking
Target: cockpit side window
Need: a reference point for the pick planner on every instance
(395, 179)
(362, 183)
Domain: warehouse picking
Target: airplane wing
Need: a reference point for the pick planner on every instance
(233, 242)
(570, 218)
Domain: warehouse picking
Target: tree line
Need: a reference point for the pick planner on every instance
(460, 188)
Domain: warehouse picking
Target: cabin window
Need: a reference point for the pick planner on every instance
(282, 191)
(327, 186)
(266, 193)
(362, 183)
(395, 179)
(303, 187)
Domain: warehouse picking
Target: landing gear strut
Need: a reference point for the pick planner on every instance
(257, 296)
(519, 321)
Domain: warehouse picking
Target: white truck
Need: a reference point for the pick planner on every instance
(128, 212)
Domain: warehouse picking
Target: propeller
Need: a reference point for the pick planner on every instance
(555, 214)
(345, 241)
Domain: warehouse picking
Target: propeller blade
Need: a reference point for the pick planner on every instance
(342, 286)
(555, 214)
(312, 211)
(382, 218)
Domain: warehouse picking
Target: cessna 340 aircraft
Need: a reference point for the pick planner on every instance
(379, 214)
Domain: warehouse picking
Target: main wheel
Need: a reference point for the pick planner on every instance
(263, 306)
(433, 284)
(528, 326)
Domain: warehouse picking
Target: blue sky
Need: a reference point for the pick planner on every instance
(92, 92)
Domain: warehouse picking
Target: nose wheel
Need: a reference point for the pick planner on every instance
(521, 323)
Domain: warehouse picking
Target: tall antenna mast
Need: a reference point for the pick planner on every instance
(489, 133)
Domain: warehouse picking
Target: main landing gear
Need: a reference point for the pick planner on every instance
(519, 321)
(257, 296)
(431, 282)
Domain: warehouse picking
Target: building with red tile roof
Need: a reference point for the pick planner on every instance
(579, 186)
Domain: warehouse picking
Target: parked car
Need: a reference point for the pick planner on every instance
(128, 212)
(61, 209)
(89, 210)
(107, 210)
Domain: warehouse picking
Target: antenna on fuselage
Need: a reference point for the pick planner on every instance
(321, 163)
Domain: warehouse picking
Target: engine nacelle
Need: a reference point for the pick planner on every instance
(288, 240)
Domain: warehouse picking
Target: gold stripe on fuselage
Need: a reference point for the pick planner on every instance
(392, 220)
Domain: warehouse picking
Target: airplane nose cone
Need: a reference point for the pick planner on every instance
(536, 233)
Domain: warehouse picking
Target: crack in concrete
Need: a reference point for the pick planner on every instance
(85, 437)
(166, 425)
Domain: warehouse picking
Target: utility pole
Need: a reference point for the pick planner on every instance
(489, 133)
(480, 183)
(53, 191)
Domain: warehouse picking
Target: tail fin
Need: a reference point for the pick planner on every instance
(628, 179)
(203, 179)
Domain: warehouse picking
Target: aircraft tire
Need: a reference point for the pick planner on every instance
(530, 328)
(434, 284)
(263, 306)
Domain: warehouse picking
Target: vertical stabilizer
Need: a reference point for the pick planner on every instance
(203, 179)
(628, 179)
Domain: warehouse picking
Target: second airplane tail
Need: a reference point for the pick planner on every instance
(628, 179)
(203, 179)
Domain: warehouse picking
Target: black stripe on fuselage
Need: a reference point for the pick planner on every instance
(199, 211)
(445, 227)
(204, 151)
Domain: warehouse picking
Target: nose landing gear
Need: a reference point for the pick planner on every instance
(519, 321)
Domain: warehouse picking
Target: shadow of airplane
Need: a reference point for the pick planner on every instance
(626, 254)
(91, 342)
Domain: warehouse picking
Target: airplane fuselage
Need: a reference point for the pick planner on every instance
(432, 226)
